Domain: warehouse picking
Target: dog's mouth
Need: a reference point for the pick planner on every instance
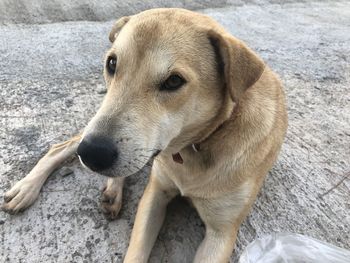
(100, 155)
(132, 168)
(150, 160)
(155, 154)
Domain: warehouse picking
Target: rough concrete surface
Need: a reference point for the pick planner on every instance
(50, 85)
(43, 11)
(49, 11)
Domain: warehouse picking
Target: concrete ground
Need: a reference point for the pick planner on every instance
(50, 86)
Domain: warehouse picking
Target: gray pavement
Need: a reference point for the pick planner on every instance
(50, 85)
(51, 11)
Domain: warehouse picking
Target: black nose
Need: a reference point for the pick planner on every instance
(98, 153)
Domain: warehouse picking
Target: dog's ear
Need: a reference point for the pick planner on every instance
(240, 66)
(117, 27)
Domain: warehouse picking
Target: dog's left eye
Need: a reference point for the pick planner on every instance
(111, 65)
(172, 83)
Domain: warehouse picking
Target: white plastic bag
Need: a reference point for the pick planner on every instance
(292, 248)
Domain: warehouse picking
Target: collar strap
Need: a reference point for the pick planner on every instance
(196, 146)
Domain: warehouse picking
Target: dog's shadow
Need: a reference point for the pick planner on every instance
(181, 232)
(180, 235)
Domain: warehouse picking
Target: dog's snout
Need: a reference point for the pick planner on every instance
(98, 153)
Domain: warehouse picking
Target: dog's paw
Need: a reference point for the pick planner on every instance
(111, 201)
(20, 196)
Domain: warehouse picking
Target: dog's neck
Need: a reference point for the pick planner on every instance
(227, 113)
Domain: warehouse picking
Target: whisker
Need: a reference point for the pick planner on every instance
(146, 149)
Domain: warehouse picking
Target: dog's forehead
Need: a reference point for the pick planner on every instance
(138, 47)
(159, 30)
(162, 41)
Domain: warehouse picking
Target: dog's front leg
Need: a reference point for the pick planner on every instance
(26, 191)
(112, 194)
(217, 245)
(149, 219)
(222, 217)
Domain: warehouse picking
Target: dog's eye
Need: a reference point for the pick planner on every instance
(174, 82)
(111, 65)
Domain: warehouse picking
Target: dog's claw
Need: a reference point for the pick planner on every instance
(111, 203)
(6, 199)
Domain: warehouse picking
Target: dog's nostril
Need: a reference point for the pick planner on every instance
(98, 153)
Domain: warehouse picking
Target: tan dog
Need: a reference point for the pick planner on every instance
(184, 90)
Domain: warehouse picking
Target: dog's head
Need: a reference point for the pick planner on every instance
(169, 74)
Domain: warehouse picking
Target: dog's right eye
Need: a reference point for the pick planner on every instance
(173, 83)
(111, 65)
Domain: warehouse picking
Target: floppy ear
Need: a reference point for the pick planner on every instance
(117, 27)
(240, 65)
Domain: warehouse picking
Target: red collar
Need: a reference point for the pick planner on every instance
(196, 146)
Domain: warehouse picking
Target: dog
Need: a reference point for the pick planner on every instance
(197, 102)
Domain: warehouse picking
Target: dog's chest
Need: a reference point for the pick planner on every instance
(190, 177)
